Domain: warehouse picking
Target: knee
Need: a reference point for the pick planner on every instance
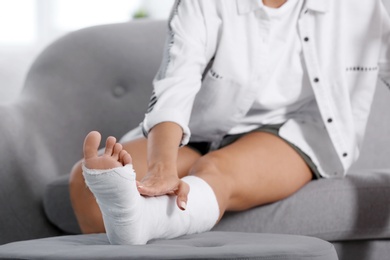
(205, 165)
(211, 167)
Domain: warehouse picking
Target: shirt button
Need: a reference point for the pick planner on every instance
(330, 120)
(306, 39)
(345, 154)
(316, 80)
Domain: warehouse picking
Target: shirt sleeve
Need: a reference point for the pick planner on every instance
(384, 60)
(180, 75)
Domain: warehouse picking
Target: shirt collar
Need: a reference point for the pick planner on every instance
(247, 6)
(322, 6)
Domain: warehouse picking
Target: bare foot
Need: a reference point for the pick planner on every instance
(114, 155)
(131, 219)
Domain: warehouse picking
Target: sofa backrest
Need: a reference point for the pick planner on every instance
(375, 152)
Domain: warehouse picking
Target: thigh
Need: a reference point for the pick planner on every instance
(137, 150)
(257, 169)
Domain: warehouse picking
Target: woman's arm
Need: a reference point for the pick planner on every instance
(163, 143)
(178, 81)
(162, 150)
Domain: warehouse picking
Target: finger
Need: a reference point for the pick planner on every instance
(151, 189)
(146, 191)
(156, 186)
(182, 195)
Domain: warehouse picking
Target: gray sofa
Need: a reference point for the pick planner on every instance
(100, 79)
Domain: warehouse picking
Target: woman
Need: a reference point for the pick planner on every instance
(253, 100)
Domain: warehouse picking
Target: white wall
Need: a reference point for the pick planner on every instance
(158, 9)
(27, 26)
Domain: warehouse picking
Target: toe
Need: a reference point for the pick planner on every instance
(117, 149)
(91, 145)
(125, 157)
(110, 143)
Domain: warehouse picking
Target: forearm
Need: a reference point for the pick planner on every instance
(162, 149)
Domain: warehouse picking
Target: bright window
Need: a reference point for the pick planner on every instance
(74, 14)
(18, 22)
(32, 22)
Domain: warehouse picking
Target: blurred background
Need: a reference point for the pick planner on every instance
(27, 26)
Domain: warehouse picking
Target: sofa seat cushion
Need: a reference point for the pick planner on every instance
(356, 207)
(209, 245)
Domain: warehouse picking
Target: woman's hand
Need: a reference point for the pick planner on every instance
(165, 183)
(162, 177)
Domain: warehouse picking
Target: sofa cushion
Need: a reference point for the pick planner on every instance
(356, 207)
(209, 245)
(58, 207)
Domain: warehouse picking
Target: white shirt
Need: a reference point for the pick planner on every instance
(344, 51)
(285, 86)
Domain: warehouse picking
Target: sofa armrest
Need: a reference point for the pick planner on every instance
(99, 78)
(22, 178)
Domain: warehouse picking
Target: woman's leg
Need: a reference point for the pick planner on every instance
(84, 204)
(258, 168)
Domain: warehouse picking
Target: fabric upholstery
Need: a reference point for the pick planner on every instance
(210, 245)
(363, 250)
(354, 208)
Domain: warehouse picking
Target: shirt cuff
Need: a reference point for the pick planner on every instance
(167, 115)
